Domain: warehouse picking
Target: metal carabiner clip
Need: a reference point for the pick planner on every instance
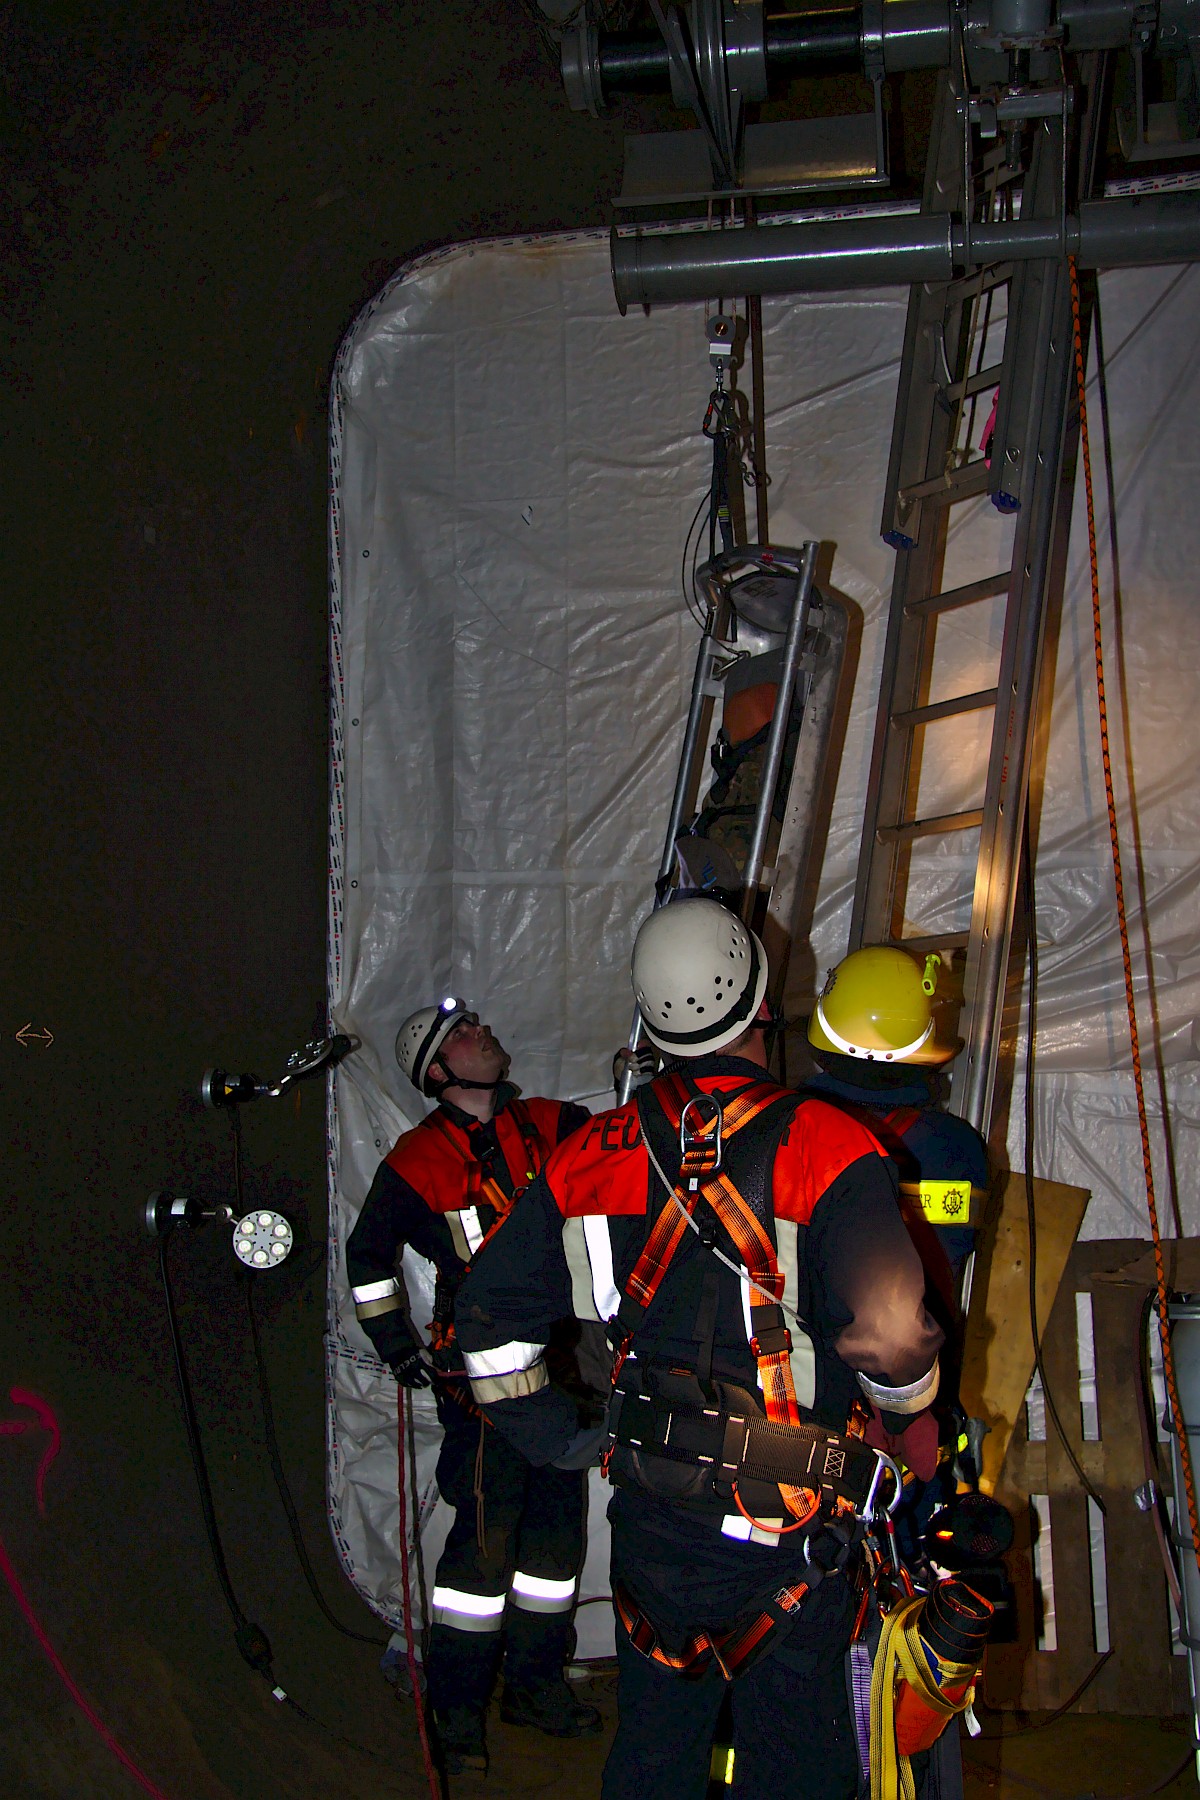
(882, 1462)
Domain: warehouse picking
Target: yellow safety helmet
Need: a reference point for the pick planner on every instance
(877, 1005)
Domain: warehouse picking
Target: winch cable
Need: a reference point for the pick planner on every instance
(403, 1408)
(249, 1279)
(1164, 1327)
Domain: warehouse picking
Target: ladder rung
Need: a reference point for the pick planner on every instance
(946, 490)
(946, 709)
(932, 827)
(967, 286)
(944, 940)
(975, 384)
(960, 596)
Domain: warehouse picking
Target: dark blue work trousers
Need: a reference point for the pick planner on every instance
(793, 1737)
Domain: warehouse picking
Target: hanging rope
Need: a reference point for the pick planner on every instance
(1160, 1274)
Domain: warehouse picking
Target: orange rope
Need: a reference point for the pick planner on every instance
(1160, 1273)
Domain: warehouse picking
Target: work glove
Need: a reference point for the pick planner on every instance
(645, 1061)
(584, 1449)
(411, 1367)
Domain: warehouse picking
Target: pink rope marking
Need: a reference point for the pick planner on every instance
(13, 1428)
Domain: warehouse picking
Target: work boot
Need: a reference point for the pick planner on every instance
(460, 1735)
(549, 1706)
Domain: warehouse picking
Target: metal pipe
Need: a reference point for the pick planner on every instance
(776, 738)
(895, 251)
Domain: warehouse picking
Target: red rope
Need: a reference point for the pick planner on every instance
(410, 1653)
(1160, 1273)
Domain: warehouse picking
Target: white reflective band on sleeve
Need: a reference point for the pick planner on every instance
(375, 1290)
(600, 1256)
(467, 1612)
(583, 1303)
(489, 1388)
(502, 1360)
(911, 1399)
(803, 1358)
(539, 1594)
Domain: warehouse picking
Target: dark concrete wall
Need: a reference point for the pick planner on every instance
(198, 198)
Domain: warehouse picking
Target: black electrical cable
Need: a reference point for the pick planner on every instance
(268, 1417)
(281, 1485)
(251, 1639)
(1031, 1209)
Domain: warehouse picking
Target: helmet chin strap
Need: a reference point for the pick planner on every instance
(460, 1081)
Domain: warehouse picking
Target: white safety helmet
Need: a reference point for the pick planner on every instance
(422, 1035)
(699, 975)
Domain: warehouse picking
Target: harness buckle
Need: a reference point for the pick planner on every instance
(702, 1140)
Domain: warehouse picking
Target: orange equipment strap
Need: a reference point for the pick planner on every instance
(733, 1649)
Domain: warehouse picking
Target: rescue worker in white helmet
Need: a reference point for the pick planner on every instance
(873, 1034)
(505, 1582)
(745, 1246)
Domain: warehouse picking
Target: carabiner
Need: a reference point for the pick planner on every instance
(882, 1462)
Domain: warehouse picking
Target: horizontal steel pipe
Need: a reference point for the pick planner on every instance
(894, 251)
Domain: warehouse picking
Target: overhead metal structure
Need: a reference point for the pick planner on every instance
(1025, 93)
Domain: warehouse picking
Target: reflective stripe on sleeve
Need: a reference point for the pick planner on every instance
(599, 1248)
(803, 1358)
(911, 1399)
(503, 1359)
(583, 1303)
(376, 1290)
(374, 1298)
(467, 1612)
(540, 1594)
(514, 1386)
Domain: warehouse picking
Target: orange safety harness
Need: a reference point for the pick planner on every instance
(702, 1177)
(485, 1188)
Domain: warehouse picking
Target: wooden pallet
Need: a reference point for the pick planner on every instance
(1142, 1676)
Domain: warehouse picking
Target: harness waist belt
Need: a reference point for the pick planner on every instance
(741, 1448)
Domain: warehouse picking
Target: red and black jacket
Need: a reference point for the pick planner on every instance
(829, 1195)
(441, 1189)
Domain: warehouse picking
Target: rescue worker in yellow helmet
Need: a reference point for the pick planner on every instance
(874, 1038)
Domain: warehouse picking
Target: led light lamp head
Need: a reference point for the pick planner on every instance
(262, 1240)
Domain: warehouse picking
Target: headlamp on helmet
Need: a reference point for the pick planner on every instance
(422, 1035)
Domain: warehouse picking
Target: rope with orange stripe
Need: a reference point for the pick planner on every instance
(1160, 1274)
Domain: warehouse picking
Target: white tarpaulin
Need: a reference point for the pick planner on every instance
(515, 466)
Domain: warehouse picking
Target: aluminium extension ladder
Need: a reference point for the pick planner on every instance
(951, 365)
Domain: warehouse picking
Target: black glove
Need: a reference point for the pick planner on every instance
(584, 1449)
(411, 1367)
(645, 1061)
